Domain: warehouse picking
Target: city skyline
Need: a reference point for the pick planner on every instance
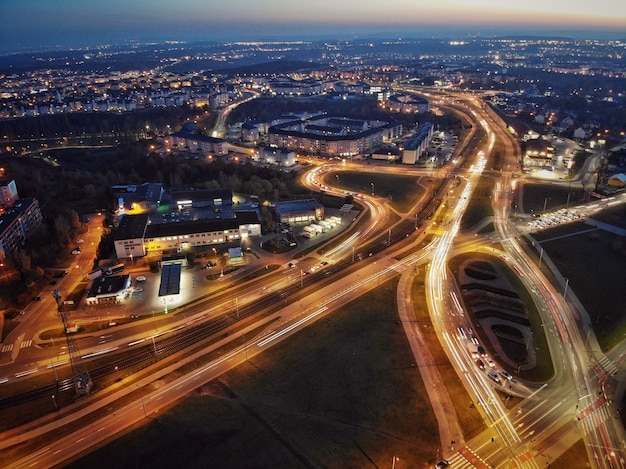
(36, 24)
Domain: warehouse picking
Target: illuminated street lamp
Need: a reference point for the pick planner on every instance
(372, 184)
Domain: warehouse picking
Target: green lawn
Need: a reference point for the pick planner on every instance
(537, 195)
(344, 392)
(402, 191)
(594, 264)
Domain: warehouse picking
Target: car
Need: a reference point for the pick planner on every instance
(443, 464)
(141, 278)
(324, 263)
(76, 251)
(482, 351)
(37, 298)
(480, 364)
(138, 289)
(490, 362)
(53, 282)
(291, 265)
(493, 375)
(506, 374)
(80, 241)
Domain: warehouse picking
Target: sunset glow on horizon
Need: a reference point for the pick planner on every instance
(66, 22)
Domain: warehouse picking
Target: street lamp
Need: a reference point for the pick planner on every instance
(372, 184)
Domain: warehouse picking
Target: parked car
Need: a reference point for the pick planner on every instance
(480, 364)
(37, 298)
(141, 278)
(76, 251)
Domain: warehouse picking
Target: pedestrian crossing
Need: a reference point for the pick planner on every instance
(9, 347)
(608, 366)
(465, 458)
(590, 422)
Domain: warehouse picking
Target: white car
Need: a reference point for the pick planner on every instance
(490, 362)
(141, 278)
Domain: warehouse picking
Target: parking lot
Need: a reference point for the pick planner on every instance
(548, 220)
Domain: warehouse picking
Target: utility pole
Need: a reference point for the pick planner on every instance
(82, 381)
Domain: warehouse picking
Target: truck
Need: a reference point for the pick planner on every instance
(117, 268)
(324, 224)
(309, 232)
(317, 228)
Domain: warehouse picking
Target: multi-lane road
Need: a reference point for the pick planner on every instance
(551, 418)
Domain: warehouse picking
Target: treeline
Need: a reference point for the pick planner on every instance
(76, 124)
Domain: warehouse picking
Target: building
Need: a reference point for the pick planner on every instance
(407, 104)
(202, 198)
(417, 143)
(107, 290)
(198, 217)
(617, 180)
(137, 237)
(333, 136)
(16, 224)
(128, 237)
(299, 211)
(8, 193)
(538, 153)
(275, 156)
(146, 196)
(199, 143)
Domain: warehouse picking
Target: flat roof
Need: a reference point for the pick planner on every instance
(108, 286)
(170, 279)
(293, 206)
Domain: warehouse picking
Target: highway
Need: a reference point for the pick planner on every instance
(552, 416)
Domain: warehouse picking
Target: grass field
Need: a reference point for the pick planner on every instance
(403, 191)
(594, 264)
(538, 195)
(613, 216)
(344, 392)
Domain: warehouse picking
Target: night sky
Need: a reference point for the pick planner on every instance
(76, 23)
